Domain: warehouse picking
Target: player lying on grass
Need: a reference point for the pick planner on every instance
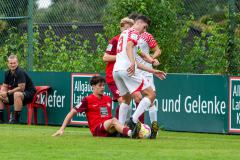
(97, 107)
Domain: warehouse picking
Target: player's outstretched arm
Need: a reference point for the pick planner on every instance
(65, 122)
(148, 58)
(157, 52)
(145, 57)
(109, 58)
(131, 69)
(160, 74)
(145, 68)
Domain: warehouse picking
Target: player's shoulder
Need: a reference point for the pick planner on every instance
(133, 34)
(114, 39)
(146, 35)
(107, 97)
(133, 30)
(89, 97)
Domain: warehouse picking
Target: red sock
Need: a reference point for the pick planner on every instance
(125, 131)
(141, 118)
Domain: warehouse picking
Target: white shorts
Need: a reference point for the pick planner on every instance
(127, 84)
(151, 82)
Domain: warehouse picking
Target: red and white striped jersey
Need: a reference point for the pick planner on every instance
(145, 43)
(122, 60)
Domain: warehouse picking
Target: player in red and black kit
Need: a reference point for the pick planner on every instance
(110, 58)
(98, 111)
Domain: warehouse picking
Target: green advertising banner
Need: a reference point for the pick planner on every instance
(196, 103)
(185, 102)
(67, 90)
(234, 105)
(80, 88)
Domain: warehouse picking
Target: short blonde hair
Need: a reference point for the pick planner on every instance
(126, 20)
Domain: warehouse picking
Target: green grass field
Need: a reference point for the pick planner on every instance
(35, 143)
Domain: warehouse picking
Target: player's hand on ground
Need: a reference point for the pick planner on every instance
(156, 62)
(131, 70)
(58, 133)
(160, 74)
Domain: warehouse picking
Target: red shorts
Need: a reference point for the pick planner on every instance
(115, 92)
(100, 131)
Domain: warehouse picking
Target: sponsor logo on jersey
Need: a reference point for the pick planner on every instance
(103, 111)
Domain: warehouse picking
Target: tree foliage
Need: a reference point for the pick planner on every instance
(167, 25)
(172, 21)
(54, 53)
(173, 24)
(71, 11)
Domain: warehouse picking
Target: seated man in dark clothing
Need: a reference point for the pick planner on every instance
(17, 89)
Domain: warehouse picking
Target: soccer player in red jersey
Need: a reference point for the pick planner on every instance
(110, 58)
(97, 107)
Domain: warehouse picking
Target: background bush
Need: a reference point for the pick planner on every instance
(192, 40)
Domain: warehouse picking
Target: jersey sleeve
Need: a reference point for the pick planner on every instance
(151, 41)
(112, 46)
(82, 106)
(133, 36)
(21, 77)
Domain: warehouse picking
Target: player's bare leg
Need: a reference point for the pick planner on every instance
(137, 96)
(118, 107)
(113, 125)
(18, 104)
(149, 96)
(124, 107)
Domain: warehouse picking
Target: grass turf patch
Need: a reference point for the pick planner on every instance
(35, 142)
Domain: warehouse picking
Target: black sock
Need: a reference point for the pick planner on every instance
(1, 115)
(17, 116)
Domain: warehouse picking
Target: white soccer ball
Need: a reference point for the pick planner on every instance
(145, 131)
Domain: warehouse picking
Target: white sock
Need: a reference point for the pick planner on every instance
(153, 113)
(143, 105)
(129, 133)
(123, 110)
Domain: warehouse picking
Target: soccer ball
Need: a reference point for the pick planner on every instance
(145, 131)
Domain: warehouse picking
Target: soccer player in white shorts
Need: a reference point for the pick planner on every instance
(124, 74)
(145, 44)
